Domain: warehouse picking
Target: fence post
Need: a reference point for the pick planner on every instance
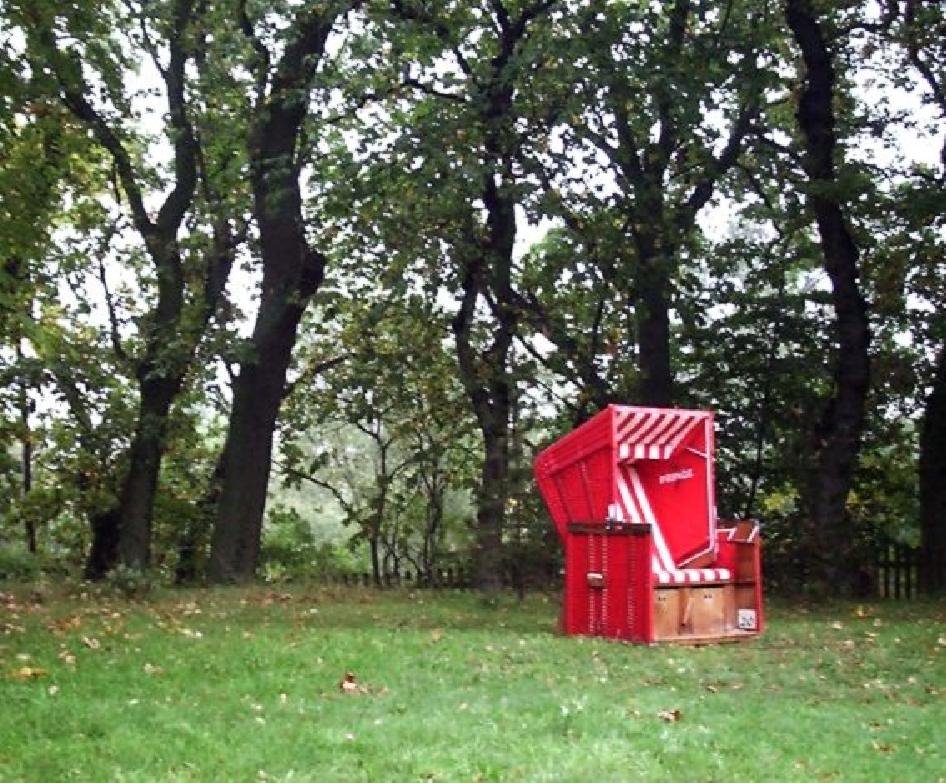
(909, 560)
(896, 567)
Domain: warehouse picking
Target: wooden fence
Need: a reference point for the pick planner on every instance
(450, 578)
(896, 575)
(442, 577)
(897, 571)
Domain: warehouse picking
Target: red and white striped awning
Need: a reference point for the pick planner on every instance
(652, 433)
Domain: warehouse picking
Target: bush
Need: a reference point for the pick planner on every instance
(131, 583)
(18, 565)
(290, 551)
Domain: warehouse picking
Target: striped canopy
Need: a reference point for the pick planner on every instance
(653, 433)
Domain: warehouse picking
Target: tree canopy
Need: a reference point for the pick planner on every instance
(281, 278)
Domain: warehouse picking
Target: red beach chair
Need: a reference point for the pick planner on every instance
(631, 493)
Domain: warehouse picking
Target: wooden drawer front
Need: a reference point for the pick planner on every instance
(707, 611)
(667, 612)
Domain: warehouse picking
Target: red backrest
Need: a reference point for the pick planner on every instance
(640, 465)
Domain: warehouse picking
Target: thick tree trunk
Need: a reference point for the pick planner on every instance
(653, 331)
(103, 553)
(486, 378)
(292, 273)
(136, 502)
(491, 509)
(374, 546)
(247, 456)
(839, 432)
(933, 485)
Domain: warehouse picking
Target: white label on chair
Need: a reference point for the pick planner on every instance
(745, 619)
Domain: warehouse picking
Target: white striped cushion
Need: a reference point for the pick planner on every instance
(691, 576)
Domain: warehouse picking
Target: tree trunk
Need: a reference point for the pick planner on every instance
(187, 570)
(26, 453)
(247, 456)
(103, 553)
(839, 431)
(193, 537)
(933, 484)
(136, 503)
(374, 545)
(485, 376)
(653, 329)
(491, 509)
(292, 273)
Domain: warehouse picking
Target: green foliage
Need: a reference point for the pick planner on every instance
(18, 565)
(612, 127)
(130, 583)
(291, 550)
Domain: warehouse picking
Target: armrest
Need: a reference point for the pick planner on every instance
(739, 550)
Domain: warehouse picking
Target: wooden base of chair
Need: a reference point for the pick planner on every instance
(700, 614)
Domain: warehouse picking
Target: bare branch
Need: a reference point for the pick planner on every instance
(718, 166)
(347, 506)
(179, 200)
(428, 89)
(112, 314)
(314, 370)
(263, 59)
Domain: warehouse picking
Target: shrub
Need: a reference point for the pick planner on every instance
(18, 565)
(131, 583)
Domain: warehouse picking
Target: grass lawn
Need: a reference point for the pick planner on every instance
(243, 685)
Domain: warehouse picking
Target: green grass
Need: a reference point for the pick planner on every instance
(242, 685)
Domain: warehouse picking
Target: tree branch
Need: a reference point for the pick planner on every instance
(112, 315)
(262, 63)
(409, 12)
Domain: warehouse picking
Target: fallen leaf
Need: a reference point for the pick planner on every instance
(436, 635)
(28, 673)
(91, 642)
(153, 671)
(837, 625)
(64, 624)
(52, 690)
(670, 716)
(350, 685)
(67, 658)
